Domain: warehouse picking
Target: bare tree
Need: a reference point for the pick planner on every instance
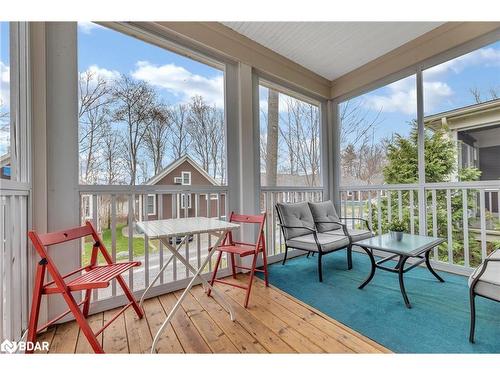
(206, 131)
(94, 114)
(356, 122)
(113, 162)
(478, 95)
(155, 139)
(300, 131)
(178, 137)
(136, 109)
(271, 151)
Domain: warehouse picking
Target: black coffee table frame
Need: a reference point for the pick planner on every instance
(421, 254)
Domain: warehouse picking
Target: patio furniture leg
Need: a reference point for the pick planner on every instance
(35, 304)
(429, 267)
(86, 304)
(154, 280)
(252, 272)
(286, 253)
(130, 296)
(307, 256)
(472, 297)
(349, 257)
(264, 261)
(188, 288)
(214, 274)
(372, 270)
(233, 266)
(320, 271)
(400, 267)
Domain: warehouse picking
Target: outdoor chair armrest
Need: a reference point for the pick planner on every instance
(367, 223)
(297, 227)
(483, 266)
(344, 226)
(313, 231)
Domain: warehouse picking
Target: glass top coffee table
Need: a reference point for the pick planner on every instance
(411, 246)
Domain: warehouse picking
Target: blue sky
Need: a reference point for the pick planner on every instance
(446, 87)
(177, 78)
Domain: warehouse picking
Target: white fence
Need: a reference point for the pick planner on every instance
(14, 259)
(116, 209)
(466, 214)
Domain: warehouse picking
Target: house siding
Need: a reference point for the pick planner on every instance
(171, 205)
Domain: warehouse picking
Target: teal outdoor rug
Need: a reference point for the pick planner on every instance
(438, 321)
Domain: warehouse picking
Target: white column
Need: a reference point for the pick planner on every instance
(333, 123)
(62, 144)
(422, 206)
(38, 139)
(249, 163)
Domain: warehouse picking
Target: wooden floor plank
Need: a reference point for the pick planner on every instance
(320, 338)
(138, 334)
(275, 322)
(115, 335)
(333, 328)
(211, 332)
(272, 342)
(47, 336)
(95, 322)
(191, 340)
(288, 334)
(155, 315)
(244, 341)
(65, 338)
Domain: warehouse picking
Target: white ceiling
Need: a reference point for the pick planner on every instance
(332, 49)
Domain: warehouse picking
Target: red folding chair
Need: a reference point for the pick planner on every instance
(92, 276)
(243, 249)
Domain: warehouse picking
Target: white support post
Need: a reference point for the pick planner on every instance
(62, 145)
(333, 152)
(249, 171)
(422, 207)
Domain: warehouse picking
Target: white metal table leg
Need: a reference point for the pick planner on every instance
(162, 269)
(186, 291)
(205, 283)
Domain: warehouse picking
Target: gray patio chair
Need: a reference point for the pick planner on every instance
(484, 282)
(297, 225)
(327, 221)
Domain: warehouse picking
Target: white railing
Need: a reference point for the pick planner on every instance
(466, 214)
(115, 210)
(282, 194)
(14, 260)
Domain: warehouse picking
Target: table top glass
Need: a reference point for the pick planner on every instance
(183, 226)
(411, 244)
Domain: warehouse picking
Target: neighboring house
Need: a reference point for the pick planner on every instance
(476, 129)
(185, 172)
(5, 168)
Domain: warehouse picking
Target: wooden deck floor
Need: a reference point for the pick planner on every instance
(273, 323)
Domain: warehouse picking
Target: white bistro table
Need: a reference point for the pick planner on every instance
(184, 228)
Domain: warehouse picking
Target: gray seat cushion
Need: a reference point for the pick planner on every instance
(324, 211)
(295, 215)
(328, 242)
(356, 234)
(489, 283)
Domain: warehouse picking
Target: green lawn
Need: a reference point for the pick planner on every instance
(121, 245)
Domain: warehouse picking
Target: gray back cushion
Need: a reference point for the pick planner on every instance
(324, 212)
(295, 215)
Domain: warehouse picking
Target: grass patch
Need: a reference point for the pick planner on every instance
(121, 245)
